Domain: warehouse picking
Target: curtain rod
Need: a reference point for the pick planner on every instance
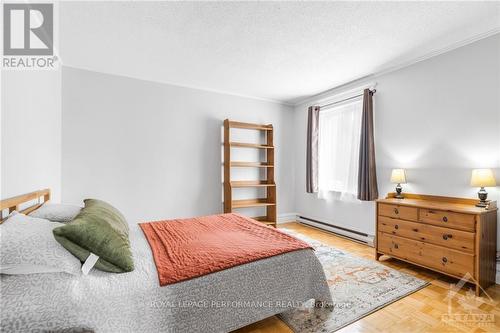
(346, 99)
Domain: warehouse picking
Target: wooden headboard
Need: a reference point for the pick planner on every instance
(15, 203)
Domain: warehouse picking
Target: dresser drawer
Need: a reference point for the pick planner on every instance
(452, 238)
(448, 219)
(442, 259)
(398, 212)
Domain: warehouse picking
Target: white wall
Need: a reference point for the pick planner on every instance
(438, 118)
(31, 132)
(154, 150)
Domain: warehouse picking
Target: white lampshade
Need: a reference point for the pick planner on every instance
(398, 176)
(482, 178)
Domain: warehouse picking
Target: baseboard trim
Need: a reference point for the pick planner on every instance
(287, 218)
(338, 230)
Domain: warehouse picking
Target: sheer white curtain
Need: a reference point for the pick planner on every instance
(338, 149)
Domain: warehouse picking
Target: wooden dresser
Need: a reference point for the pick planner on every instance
(448, 235)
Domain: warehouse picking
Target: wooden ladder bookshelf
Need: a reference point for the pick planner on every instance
(269, 201)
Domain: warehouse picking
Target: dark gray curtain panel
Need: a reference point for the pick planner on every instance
(367, 174)
(312, 149)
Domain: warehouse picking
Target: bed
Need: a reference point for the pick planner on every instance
(133, 302)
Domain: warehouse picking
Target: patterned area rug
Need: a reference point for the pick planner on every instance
(359, 287)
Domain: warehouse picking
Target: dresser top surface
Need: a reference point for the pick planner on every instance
(439, 205)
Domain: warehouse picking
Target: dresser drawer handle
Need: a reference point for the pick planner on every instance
(396, 246)
(445, 219)
(396, 211)
(396, 226)
(445, 260)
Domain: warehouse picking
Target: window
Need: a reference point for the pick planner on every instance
(338, 147)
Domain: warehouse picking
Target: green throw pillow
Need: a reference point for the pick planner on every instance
(101, 229)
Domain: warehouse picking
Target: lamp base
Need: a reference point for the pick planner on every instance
(483, 195)
(482, 204)
(399, 189)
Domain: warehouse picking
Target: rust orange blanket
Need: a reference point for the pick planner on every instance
(188, 248)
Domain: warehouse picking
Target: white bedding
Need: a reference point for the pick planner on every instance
(134, 302)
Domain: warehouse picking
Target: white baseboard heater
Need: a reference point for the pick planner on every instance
(341, 231)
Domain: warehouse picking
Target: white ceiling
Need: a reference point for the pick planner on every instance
(283, 51)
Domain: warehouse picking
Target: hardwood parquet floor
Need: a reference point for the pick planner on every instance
(421, 311)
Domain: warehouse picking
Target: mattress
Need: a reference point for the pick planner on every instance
(134, 302)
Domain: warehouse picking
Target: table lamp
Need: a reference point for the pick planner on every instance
(482, 178)
(398, 176)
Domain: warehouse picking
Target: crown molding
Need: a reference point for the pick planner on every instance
(394, 67)
(215, 91)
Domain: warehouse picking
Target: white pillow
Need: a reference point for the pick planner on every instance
(57, 212)
(28, 246)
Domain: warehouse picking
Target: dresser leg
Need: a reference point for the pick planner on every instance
(478, 290)
(377, 255)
